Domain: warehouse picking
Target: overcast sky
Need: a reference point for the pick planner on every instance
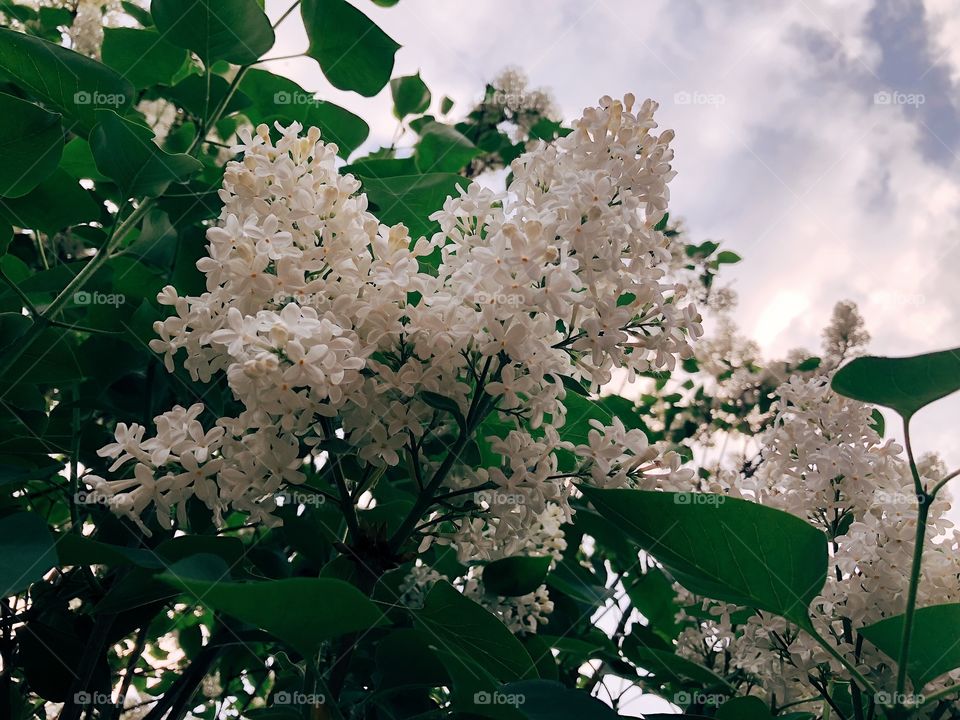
(818, 139)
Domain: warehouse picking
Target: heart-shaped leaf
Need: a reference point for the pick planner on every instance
(303, 612)
(516, 575)
(931, 653)
(31, 143)
(126, 153)
(903, 384)
(27, 551)
(353, 52)
(68, 82)
(724, 548)
(237, 31)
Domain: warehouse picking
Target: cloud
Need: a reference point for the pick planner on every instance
(787, 148)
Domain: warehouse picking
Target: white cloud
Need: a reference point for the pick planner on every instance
(826, 194)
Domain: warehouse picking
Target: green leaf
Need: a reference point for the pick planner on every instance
(140, 14)
(516, 575)
(404, 657)
(877, 422)
(411, 96)
(303, 612)
(380, 167)
(543, 659)
(931, 653)
(236, 31)
(903, 384)
(547, 700)
(126, 153)
(472, 642)
(811, 363)
(353, 52)
(443, 149)
(704, 250)
(143, 57)
(31, 142)
(23, 13)
(71, 83)
(12, 326)
(671, 668)
(574, 386)
(57, 202)
(724, 548)
(653, 595)
(193, 95)
(444, 404)
(277, 98)
(744, 708)
(410, 199)
(74, 549)
(78, 162)
(726, 257)
(573, 579)
(446, 105)
(26, 551)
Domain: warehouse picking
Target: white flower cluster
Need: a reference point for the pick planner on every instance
(329, 325)
(521, 613)
(525, 105)
(86, 32)
(824, 462)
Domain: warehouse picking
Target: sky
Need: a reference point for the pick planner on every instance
(819, 140)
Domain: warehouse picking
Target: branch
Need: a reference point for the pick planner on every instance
(924, 500)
